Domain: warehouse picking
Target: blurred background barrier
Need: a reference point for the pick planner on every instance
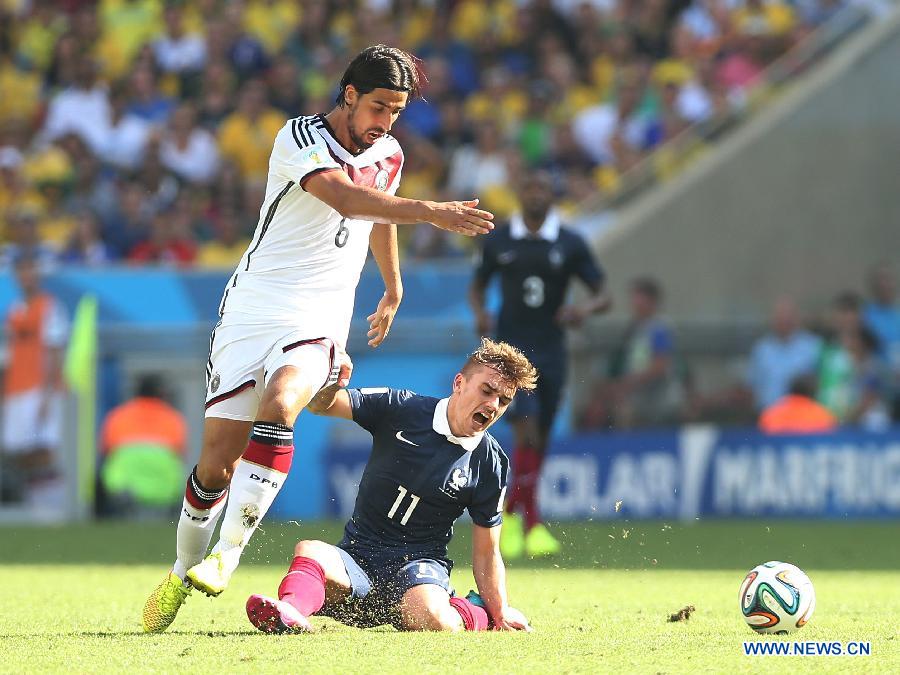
(696, 472)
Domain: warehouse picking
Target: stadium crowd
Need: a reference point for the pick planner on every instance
(840, 368)
(139, 130)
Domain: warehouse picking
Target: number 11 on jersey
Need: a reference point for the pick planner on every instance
(412, 507)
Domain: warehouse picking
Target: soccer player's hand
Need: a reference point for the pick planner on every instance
(381, 319)
(571, 315)
(462, 218)
(511, 619)
(344, 366)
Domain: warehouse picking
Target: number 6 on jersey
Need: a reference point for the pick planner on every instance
(412, 507)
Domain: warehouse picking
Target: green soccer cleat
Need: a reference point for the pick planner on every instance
(539, 542)
(163, 604)
(512, 536)
(210, 575)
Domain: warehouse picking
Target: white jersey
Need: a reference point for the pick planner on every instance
(304, 261)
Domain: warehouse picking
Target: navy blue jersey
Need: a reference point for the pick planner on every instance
(535, 272)
(419, 478)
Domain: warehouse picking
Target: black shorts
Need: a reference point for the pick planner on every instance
(378, 583)
(543, 403)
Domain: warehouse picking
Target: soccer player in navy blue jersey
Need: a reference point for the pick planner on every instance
(535, 258)
(431, 461)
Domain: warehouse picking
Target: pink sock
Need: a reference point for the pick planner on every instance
(304, 586)
(473, 616)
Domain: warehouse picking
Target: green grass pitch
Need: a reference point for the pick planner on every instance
(70, 600)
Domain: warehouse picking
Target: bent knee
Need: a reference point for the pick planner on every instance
(214, 475)
(430, 620)
(429, 614)
(285, 396)
(311, 548)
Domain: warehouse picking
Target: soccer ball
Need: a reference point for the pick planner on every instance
(777, 597)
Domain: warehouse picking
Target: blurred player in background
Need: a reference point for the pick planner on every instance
(36, 329)
(431, 460)
(286, 310)
(535, 258)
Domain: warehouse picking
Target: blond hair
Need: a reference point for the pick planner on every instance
(511, 363)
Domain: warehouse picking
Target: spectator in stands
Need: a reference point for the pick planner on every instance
(131, 222)
(648, 391)
(245, 52)
(160, 188)
(85, 246)
(285, 93)
(869, 394)
(216, 92)
(129, 25)
(126, 140)
(798, 412)
(246, 135)
(187, 150)
(177, 50)
(142, 442)
(882, 313)
(16, 193)
(642, 389)
(170, 241)
(226, 248)
(82, 108)
(476, 168)
(92, 188)
(146, 101)
(23, 242)
(785, 353)
(835, 365)
(36, 329)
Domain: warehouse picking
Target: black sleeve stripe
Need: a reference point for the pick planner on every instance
(296, 138)
(305, 132)
(302, 135)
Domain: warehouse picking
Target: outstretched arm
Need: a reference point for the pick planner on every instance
(354, 201)
(490, 577)
(331, 401)
(383, 243)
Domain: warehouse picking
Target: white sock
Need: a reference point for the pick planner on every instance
(196, 524)
(255, 484)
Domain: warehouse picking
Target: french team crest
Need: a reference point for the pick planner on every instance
(459, 478)
(556, 257)
(381, 180)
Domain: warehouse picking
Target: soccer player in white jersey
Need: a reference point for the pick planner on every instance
(286, 310)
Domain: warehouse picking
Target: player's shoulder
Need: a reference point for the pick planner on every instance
(300, 132)
(399, 397)
(569, 235)
(493, 451)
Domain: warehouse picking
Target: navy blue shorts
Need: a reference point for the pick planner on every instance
(378, 584)
(542, 404)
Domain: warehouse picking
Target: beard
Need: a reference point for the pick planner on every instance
(359, 139)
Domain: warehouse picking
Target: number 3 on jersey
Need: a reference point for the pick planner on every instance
(343, 234)
(412, 506)
(533, 292)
